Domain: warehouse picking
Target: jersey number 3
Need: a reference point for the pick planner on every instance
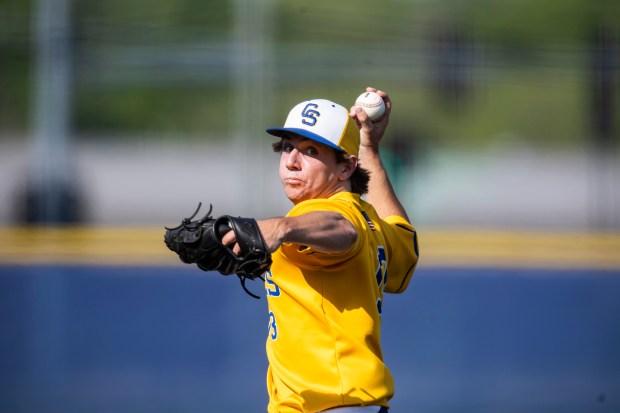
(273, 327)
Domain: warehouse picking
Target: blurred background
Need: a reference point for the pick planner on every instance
(505, 113)
(118, 117)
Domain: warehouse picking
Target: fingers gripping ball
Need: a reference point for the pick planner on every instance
(200, 242)
(373, 105)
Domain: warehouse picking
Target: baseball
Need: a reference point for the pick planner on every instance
(372, 104)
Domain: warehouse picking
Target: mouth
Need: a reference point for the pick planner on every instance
(293, 181)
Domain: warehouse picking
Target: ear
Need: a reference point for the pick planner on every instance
(347, 168)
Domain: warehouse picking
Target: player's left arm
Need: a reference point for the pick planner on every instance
(323, 231)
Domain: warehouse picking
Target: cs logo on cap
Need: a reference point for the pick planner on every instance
(310, 114)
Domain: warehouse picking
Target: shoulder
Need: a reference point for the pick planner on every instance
(345, 203)
(399, 222)
(398, 233)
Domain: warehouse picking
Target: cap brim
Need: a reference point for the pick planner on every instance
(279, 132)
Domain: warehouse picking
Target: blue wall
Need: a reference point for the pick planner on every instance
(138, 339)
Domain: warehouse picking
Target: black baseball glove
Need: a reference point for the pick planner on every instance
(200, 242)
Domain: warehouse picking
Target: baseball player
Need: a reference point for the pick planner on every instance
(334, 256)
(326, 264)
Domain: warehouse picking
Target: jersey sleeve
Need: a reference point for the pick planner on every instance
(403, 252)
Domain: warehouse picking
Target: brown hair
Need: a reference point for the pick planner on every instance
(360, 177)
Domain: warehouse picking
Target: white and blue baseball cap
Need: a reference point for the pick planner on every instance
(322, 121)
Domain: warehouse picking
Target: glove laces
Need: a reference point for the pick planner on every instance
(187, 221)
(243, 278)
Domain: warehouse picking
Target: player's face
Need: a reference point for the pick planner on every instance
(309, 170)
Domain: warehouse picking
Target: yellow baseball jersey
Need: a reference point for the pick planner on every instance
(324, 336)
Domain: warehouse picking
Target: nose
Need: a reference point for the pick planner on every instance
(292, 160)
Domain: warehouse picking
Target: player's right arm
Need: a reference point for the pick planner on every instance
(381, 193)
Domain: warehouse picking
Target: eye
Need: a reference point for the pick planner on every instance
(287, 147)
(311, 150)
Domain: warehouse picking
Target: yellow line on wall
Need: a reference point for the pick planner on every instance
(85, 245)
(134, 245)
(520, 249)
